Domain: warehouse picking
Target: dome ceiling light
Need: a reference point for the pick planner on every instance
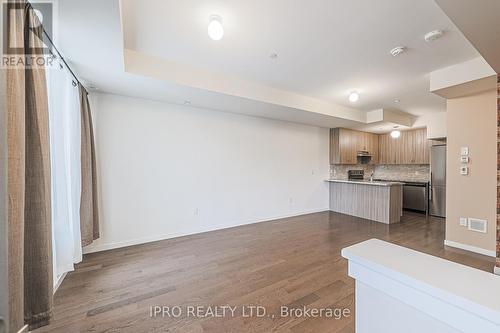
(215, 28)
(395, 133)
(353, 97)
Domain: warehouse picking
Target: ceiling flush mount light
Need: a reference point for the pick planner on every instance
(433, 35)
(273, 56)
(398, 50)
(395, 133)
(187, 102)
(397, 100)
(353, 97)
(215, 28)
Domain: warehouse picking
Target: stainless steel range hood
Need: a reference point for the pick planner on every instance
(364, 157)
(363, 153)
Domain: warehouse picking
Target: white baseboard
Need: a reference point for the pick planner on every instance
(496, 270)
(470, 248)
(115, 245)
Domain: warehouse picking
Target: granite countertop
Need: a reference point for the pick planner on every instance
(364, 182)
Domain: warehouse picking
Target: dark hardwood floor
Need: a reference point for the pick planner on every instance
(294, 262)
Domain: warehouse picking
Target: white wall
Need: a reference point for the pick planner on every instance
(464, 72)
(167, 170)
(435, 123)
(378, 312)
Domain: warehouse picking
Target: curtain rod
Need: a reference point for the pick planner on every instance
(61, 57)
(58, 53)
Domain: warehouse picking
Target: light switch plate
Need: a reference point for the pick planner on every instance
(464, 151)
(464, 159)
(464, 170)
(463, 221)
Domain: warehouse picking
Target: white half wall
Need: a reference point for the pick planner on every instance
(168, 170)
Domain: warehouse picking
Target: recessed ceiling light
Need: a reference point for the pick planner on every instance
(353, 96)
(273, 55)
(398, 50)
(395, 133)
(433, 35)
(397, 100)
(215, 28)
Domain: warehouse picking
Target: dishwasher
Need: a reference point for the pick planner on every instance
(415, 196)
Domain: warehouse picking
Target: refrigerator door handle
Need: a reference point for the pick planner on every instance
(430, 188)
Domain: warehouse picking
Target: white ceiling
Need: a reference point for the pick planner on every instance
(326, 49)
(479, 22)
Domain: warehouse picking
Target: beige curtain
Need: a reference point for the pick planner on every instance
(89, 212)
(30, 248)
(15, 177)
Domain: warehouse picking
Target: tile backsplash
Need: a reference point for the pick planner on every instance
(403, 172)
(338, 171)
(386, 172)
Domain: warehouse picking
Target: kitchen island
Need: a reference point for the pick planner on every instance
(379, 201)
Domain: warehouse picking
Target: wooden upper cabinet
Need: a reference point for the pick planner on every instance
(345, 145)
(388, 150)
(422, 147)
(411, 147)
(373, 147)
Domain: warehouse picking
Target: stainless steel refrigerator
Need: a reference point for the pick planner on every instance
(437, 193)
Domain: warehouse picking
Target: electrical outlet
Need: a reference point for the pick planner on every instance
(464, 170)
(463, 221)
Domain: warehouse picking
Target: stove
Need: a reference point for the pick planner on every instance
(355, 174)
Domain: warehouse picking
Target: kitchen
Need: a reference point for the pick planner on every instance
(410, 167)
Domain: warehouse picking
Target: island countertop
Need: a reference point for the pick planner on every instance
(364, 182)
(372, 200)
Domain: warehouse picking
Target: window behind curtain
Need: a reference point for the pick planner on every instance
(64, 126)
